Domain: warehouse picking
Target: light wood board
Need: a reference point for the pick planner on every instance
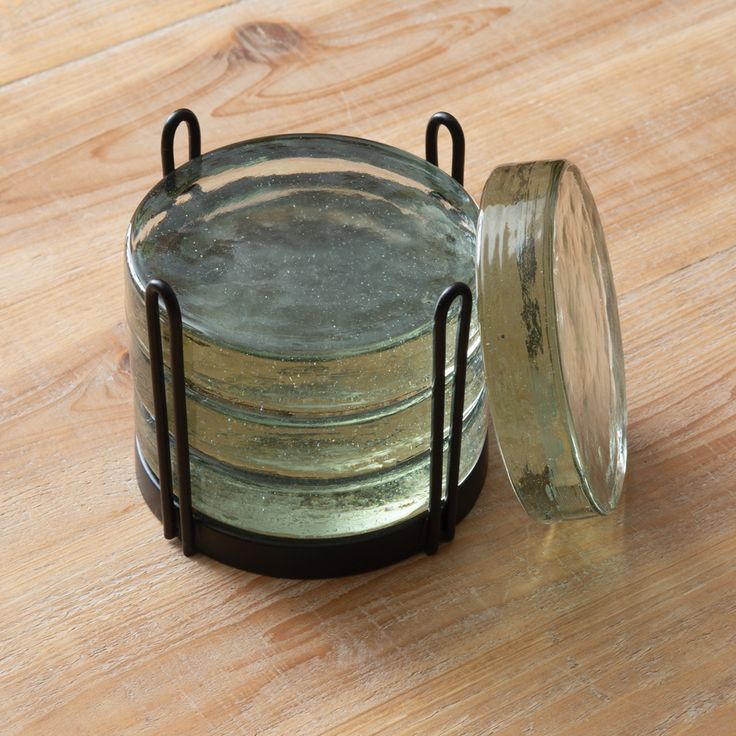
(622, 625)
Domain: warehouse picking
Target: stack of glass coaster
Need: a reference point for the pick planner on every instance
(307, 269)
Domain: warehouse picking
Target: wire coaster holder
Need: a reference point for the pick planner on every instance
(307, 558)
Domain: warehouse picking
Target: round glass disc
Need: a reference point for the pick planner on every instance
(305, 246)
(551, 340)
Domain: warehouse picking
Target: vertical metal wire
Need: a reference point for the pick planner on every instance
(159, 290)
(434, 522)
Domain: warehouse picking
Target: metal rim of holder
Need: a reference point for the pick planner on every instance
(307, 558)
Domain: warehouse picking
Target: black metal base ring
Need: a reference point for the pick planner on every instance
(310, 558)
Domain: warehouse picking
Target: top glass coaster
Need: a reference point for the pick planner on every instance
(552, 343)
(319, 253)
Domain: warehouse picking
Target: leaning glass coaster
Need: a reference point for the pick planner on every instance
(307, 269)
(551, 340)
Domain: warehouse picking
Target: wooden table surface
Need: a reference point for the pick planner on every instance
(622, 625)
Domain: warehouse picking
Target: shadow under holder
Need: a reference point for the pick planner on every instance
(295, 557)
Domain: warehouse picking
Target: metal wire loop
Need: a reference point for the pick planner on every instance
(159, 290)
(434, 522)
(183, 115)
(458, 143)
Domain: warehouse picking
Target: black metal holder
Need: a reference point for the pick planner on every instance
(307, 558)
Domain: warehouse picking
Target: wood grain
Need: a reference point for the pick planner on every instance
(41, 34)
(606, 626)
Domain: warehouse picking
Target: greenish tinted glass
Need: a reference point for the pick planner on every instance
(551, 340)
(307, 269)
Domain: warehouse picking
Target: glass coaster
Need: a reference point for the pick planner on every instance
(551, 340)
(307, 269)
(313, 508)
(295, 446)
